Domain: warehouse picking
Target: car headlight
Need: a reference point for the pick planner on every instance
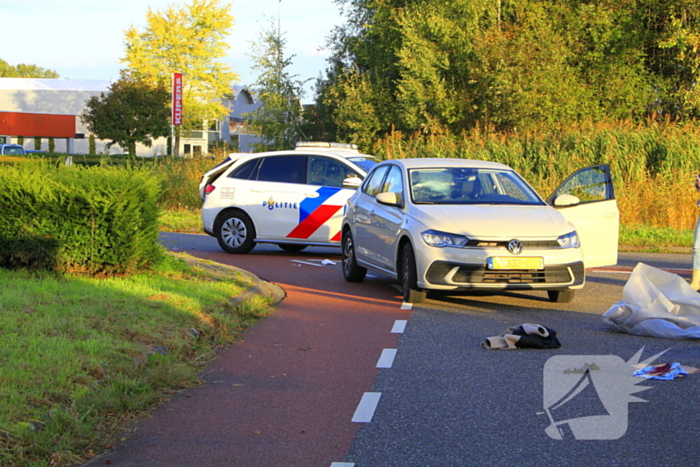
(569, 240)
(443, 239)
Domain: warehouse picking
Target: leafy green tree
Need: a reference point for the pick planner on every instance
(432, 66)
(359, 91)
(668, 34)
(190, 40)
(132, 112)
(279, 121)
(23, 70)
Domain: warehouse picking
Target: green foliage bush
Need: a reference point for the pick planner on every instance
(92, 220)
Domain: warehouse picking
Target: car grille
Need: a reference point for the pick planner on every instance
(527, 244)
(474, 274)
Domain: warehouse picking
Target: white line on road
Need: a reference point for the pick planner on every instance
(343, 464)
(399, 326)
(366, 407)
(406, 306)
(386, 359)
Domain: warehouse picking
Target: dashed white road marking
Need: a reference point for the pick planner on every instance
(342, 464)
(366, 407)
(406, 306)
(386, 359)
(399, 326)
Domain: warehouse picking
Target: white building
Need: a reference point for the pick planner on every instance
(51, 108)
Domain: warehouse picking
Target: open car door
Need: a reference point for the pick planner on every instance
(594, 214)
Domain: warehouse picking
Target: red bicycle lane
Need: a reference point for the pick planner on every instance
(286, 393)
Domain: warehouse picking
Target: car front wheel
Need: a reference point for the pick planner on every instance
(236, 233)
(409, 277)
(561, 296)
(352, 272)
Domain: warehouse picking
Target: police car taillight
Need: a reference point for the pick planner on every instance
(208, 189)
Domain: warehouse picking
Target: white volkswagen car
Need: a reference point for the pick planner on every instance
(292, 198)
(455, 225)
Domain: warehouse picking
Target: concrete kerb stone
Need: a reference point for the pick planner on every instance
(257, 286)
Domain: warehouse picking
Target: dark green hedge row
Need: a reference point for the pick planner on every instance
(92, 220)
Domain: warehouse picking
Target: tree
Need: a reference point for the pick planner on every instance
(279, 121)
(132, 112)
(433, 66)
(188, 40)
(23, 70)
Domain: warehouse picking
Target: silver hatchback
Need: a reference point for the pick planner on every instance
(454, 225)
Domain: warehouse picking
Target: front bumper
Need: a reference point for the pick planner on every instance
(470, 276)
(466, 269)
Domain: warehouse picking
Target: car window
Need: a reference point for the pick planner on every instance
(325, 171)
(392, 182)
(365, 163)
(245, 170)
(588, 185)
(460, 185)
(283, 169)
(373, 184)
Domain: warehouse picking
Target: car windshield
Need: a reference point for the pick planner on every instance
(460, 185)
(364, 163)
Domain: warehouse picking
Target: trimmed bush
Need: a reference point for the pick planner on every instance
(91, 220)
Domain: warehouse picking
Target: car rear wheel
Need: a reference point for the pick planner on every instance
(561, 296)
(291, 248)
(352, 272)
(236, 233)
(409, 277)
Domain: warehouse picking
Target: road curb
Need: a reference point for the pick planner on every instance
(257, 286)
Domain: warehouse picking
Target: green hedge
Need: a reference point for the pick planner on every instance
(92, 220)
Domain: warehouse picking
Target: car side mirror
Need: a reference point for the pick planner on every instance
(352, 183)
(390, 199)
(566, 200)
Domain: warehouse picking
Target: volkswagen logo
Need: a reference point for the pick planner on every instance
(515, 246)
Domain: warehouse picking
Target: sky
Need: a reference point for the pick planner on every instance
(84, 39)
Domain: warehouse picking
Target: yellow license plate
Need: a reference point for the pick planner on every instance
(506, 262)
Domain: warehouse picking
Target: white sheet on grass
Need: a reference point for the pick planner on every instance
(656, 303)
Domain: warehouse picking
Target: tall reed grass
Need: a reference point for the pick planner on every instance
(653, 166)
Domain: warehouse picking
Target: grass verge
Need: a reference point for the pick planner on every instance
(83, 357)
(648, 239)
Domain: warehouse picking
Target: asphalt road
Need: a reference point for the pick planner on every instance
(446, 401)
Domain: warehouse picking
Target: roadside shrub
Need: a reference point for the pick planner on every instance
(181, 176)
(93, 220)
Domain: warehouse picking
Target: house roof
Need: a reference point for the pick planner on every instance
(57, 84)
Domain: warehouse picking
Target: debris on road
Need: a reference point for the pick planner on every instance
(665, 371)
(656, 303)
(531, 336)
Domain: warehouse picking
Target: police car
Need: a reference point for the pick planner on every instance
(291, 198)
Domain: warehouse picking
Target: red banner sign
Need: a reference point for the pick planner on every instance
(177, 99)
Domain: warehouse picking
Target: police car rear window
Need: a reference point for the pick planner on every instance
(283, 169)
(244, 171)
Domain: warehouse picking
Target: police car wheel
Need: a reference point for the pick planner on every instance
(289, 248)
(352, 272)
(236, 233)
